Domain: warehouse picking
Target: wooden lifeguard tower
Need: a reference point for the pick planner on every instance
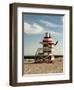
(45, 54)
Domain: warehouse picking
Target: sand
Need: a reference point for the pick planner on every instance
(43, 68)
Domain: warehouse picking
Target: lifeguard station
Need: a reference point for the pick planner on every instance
(45, 54)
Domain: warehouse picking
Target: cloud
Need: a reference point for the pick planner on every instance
(49, 24)
(33, 28)
(53, 32)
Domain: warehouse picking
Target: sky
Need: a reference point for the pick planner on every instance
(36, 25)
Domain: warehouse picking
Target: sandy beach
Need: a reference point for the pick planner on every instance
(41, 68)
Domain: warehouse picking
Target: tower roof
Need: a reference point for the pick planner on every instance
(47, 39)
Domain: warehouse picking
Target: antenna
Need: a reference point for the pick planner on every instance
(46, 34)
(49, 35)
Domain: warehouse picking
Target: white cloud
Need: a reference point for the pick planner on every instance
(53, 32)
(33, 28)
(49, 24)
(37, 29)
